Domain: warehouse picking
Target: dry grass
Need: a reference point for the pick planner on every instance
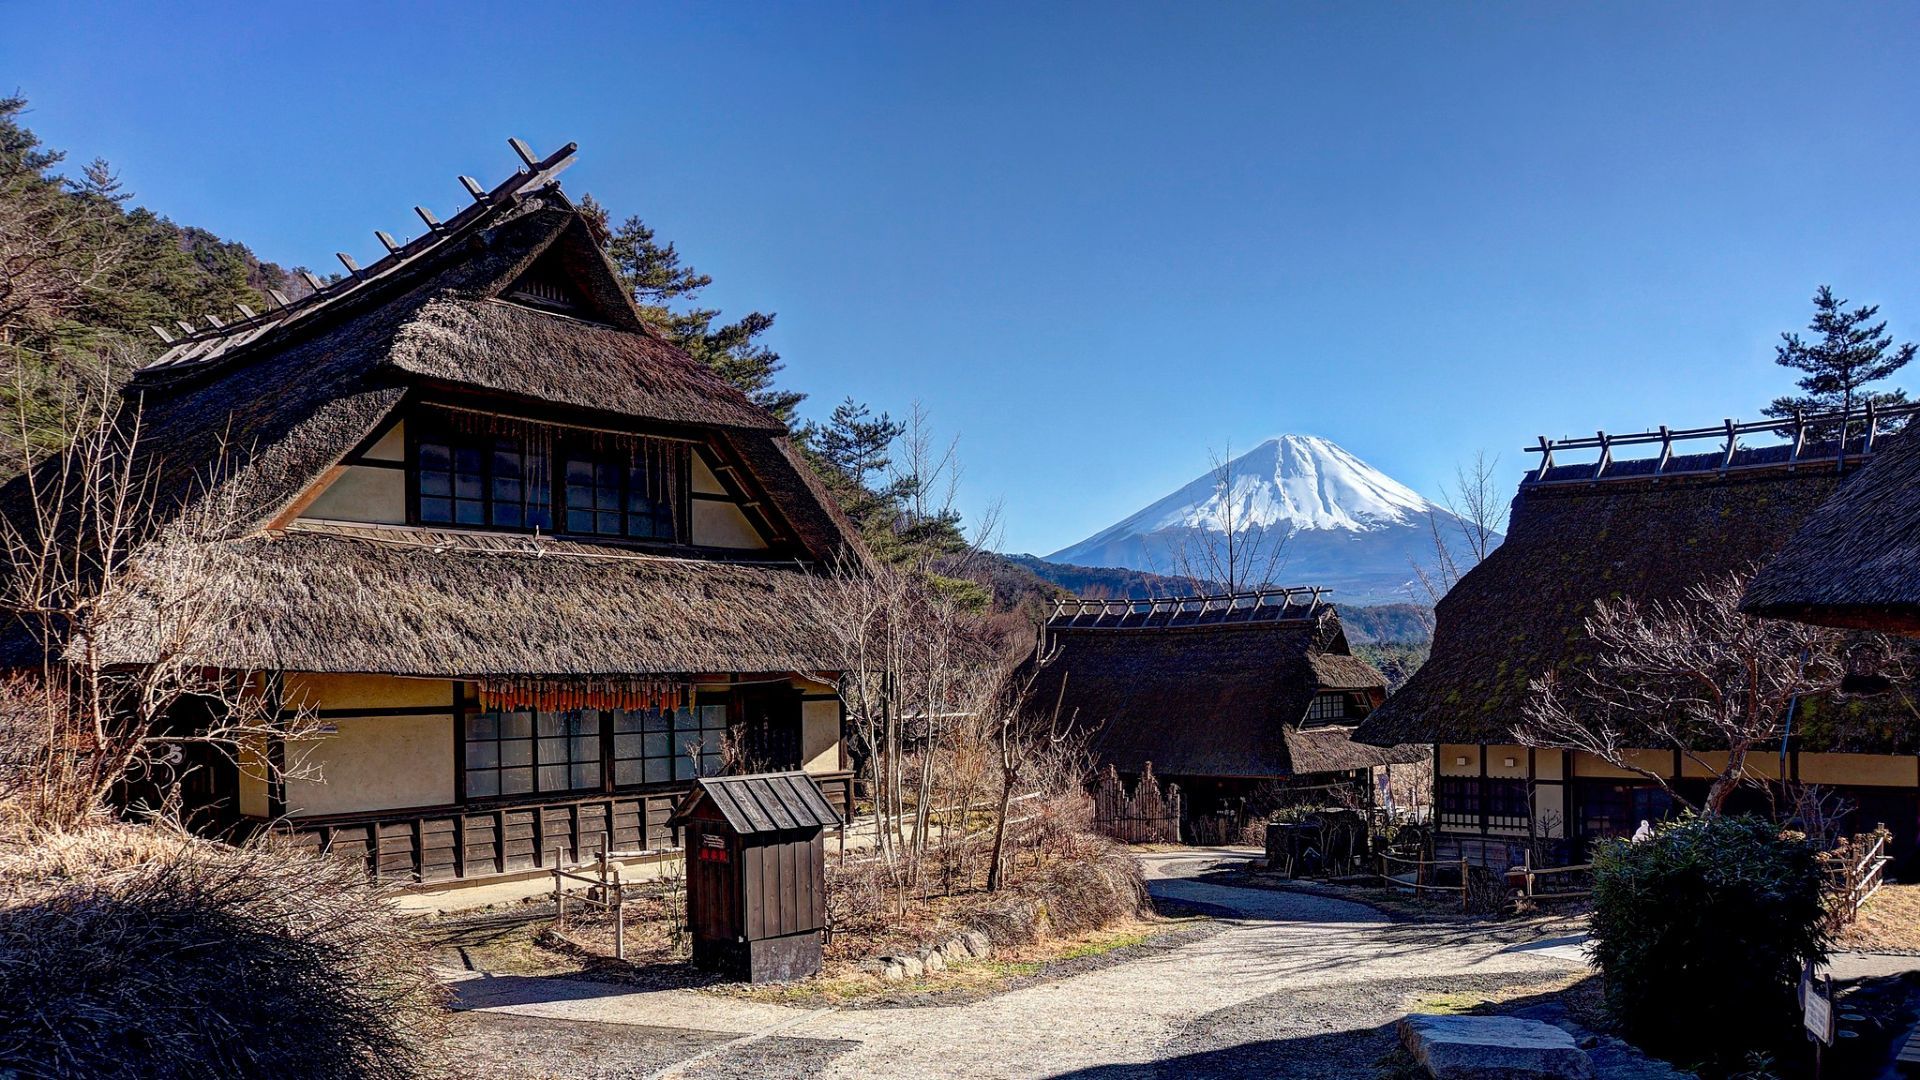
(1889, 922)
(134, 951)
(1078, 897)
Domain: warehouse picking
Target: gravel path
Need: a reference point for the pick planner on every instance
(1294, 985)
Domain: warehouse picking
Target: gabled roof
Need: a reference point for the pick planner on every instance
(1856, 561)
(761, 803)
(265, 405)
(1573, 542)
(1219, 696)
(235, 423)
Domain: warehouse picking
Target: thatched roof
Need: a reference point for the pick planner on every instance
(1856, 561)
(1215, 698)
(461, 604)
(1522, 612)
(541, 356)
(236, 422)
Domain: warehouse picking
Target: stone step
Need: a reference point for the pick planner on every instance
(1454, 1047)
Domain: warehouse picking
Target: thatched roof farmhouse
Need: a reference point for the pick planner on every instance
(527, 559)
(1642, 525)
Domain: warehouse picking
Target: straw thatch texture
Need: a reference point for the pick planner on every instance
(1522, 612)
(267, 420)
(1220, 699)
(1333, 749)
(1856, 562)
(411, 602)
(552, 358)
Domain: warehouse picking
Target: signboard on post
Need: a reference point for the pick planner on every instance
(1816, 1007)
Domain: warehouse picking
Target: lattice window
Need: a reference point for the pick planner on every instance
(632, 488)
(1335, 707)
(1459, 800)
(652, 746)
(481, 479)
(1507, 804)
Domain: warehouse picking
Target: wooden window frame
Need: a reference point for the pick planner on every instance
(423, 427)
(467, 713)
(437, 435)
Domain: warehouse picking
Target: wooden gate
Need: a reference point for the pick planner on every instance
(1148, 816)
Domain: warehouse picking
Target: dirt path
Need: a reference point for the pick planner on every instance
(1295, 985)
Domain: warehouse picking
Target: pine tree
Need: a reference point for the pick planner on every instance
(661, 283)
(852, 452)
(1849, 351)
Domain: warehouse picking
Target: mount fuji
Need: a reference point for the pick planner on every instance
(1334, 520)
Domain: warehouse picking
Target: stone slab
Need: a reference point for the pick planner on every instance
(1492, 1048)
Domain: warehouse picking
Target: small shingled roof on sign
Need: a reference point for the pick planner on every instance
(764, 802)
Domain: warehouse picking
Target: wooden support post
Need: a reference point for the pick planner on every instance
(619, 898)
(1463, 884)
(559, 892)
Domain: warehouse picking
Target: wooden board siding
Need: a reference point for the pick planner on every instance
(450, 843)
(789, 898)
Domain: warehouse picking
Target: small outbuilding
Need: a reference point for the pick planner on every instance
(756, 874)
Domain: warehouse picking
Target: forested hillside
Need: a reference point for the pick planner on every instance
(85, 270)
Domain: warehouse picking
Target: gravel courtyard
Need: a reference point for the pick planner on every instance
(1292, 985)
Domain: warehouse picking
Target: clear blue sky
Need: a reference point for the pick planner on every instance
(1097, 239)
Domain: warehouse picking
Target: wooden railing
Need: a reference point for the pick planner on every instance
(1398, 871)
(1862, 429)
(451, 843)
(1856, 870)
(1532, 879)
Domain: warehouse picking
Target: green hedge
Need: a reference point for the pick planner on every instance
(1701, 932)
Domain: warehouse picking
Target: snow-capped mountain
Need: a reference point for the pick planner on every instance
(1333, 519)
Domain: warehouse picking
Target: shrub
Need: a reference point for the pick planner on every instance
(1702, 931)
(1089, 893)
(134, 951)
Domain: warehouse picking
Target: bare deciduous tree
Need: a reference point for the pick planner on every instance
(89, 566)
(1692, 675)
(1230, 547)
(1476, 508)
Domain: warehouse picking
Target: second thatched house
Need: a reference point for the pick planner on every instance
(1246, 701)
(531, 567)
(1648, 527)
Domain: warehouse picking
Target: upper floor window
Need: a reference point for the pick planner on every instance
(1335, 707)
(631, 488)
(478, 471)
(480, 480)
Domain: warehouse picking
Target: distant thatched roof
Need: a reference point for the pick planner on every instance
(1856, 561)
(1522, 612)
(454, 604)
(1216, 698)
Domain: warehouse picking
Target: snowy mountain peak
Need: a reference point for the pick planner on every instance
(1346, 524)
(1290, 482)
